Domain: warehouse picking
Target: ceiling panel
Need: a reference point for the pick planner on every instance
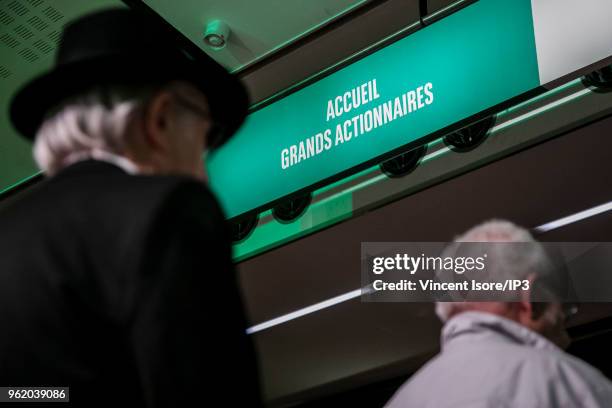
(29, 31)
(258, 28)
(367, 26)
(29, 34)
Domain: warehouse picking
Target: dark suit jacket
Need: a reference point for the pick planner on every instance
(122, 287)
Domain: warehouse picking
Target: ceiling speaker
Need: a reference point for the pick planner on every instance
(291, 209)
(601, 79)
(403, 164)
(471, 136)
(243, 227)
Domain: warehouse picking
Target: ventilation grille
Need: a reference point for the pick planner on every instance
(5, 18)
(23, 32)
(43, 46)
(35, 3)
(54, 36)
(38, 23)
(28, 55)
(9, 40)
(17, 8)
(52, 14)
(4, 72)
(30, 31)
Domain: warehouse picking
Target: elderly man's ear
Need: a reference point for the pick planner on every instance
(527, 311)
(160, 121)
(542, 315)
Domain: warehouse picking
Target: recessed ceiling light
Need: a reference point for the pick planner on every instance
(216, 34)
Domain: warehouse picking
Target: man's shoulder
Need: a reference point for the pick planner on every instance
(572, 369)
(155, 190)
(103, 192)
(106, 180)
(567, 378)
(496, 372)
(544, 362)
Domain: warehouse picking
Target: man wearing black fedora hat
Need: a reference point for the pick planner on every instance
(116, 277)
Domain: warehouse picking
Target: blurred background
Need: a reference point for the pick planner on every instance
(542, 162)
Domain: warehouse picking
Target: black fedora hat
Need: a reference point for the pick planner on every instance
(122, 46)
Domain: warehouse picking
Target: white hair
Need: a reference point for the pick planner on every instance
(506, 261)
(95, 120)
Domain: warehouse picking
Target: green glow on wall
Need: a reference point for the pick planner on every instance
(272, 234)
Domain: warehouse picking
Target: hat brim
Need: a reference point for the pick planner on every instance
(227, 97)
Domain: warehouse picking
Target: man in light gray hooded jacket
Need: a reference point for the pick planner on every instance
(504, 354)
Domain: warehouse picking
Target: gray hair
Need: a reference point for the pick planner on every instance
(95, 120)
(505, 261)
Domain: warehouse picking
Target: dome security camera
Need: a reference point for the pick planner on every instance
(216, 34)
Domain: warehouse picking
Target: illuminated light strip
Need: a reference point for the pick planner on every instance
(570, 219)
(302, 312)
(541, 109)
(444, 10)
(381, 177)
(24, 180)
(549, 226)
(536, 99)
(437, 153)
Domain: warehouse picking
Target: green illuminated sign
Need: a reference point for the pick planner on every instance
(488, 54)
(440, 75)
